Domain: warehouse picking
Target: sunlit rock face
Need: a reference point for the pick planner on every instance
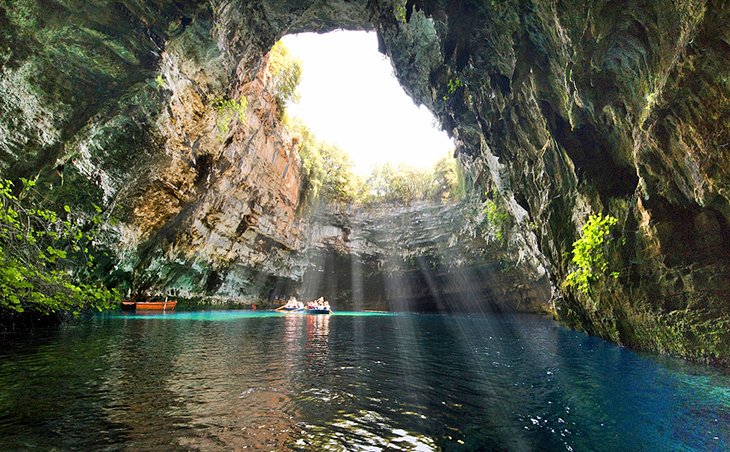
(561, 108)
(124, 106)
(425, 257)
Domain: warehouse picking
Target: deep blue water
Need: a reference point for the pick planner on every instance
(224, 380)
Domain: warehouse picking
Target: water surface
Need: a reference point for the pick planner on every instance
(222, 380)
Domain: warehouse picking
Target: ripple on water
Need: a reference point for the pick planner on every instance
(222, 380)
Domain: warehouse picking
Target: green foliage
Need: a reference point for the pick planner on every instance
(403, 184)
(328, 176)
(497, 217)
(160, 82)
(339, 182)
(285, 72)
(399, 11)
(453, 85)
(43, 256)
(589, 252)
(397, 184)
(448, 182)
(228, 109)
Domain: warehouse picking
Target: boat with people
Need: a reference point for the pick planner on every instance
(318, 306)
(292, 305)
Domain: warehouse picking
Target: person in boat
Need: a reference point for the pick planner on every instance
(292, 303)
(314, 304)
(319, 304)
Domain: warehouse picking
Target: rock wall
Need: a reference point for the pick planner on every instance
(130, 106)
(569, 108)
(231, 193)
(425, 257)
(561, 109)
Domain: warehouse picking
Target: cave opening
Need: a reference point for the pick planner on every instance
(390, 196)
(349, 95)
(364, 140)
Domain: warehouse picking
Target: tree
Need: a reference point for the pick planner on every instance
(328, 176)
(285, 73)
(405, 184)
(327, 170)
(448, 179)
(339, 179)
(46, 260)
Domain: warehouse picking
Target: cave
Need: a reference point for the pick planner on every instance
(141, 116)
(157, 120)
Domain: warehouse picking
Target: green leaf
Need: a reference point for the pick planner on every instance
(589, 255)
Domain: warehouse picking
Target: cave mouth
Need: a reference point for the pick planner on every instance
(349, 96)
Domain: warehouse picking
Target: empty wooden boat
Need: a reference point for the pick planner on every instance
(129, 305)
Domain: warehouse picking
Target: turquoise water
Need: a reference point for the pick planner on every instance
(225, 380)
(231, 316)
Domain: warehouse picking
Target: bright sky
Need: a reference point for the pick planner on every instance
(350, 97)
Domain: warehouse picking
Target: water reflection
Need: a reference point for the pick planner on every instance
(233, 396)
(409, 382)
(317, 343)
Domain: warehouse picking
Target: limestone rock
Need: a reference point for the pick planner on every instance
(560, 108)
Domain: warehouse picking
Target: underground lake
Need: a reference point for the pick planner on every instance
(225, 380)
(519, 211)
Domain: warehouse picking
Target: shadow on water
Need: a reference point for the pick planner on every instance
(222, 380)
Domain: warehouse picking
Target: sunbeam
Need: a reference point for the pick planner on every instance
(364, 225)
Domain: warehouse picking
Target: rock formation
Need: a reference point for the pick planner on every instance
(424, 257)
(560, 109)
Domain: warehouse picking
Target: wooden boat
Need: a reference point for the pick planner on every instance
(157, 305)
(129, 305)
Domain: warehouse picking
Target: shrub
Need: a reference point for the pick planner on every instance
(160, 82)
(43, 256)
(497, 218)
(227, 109)
(399, 11)
(453, 85)
(589, 252)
